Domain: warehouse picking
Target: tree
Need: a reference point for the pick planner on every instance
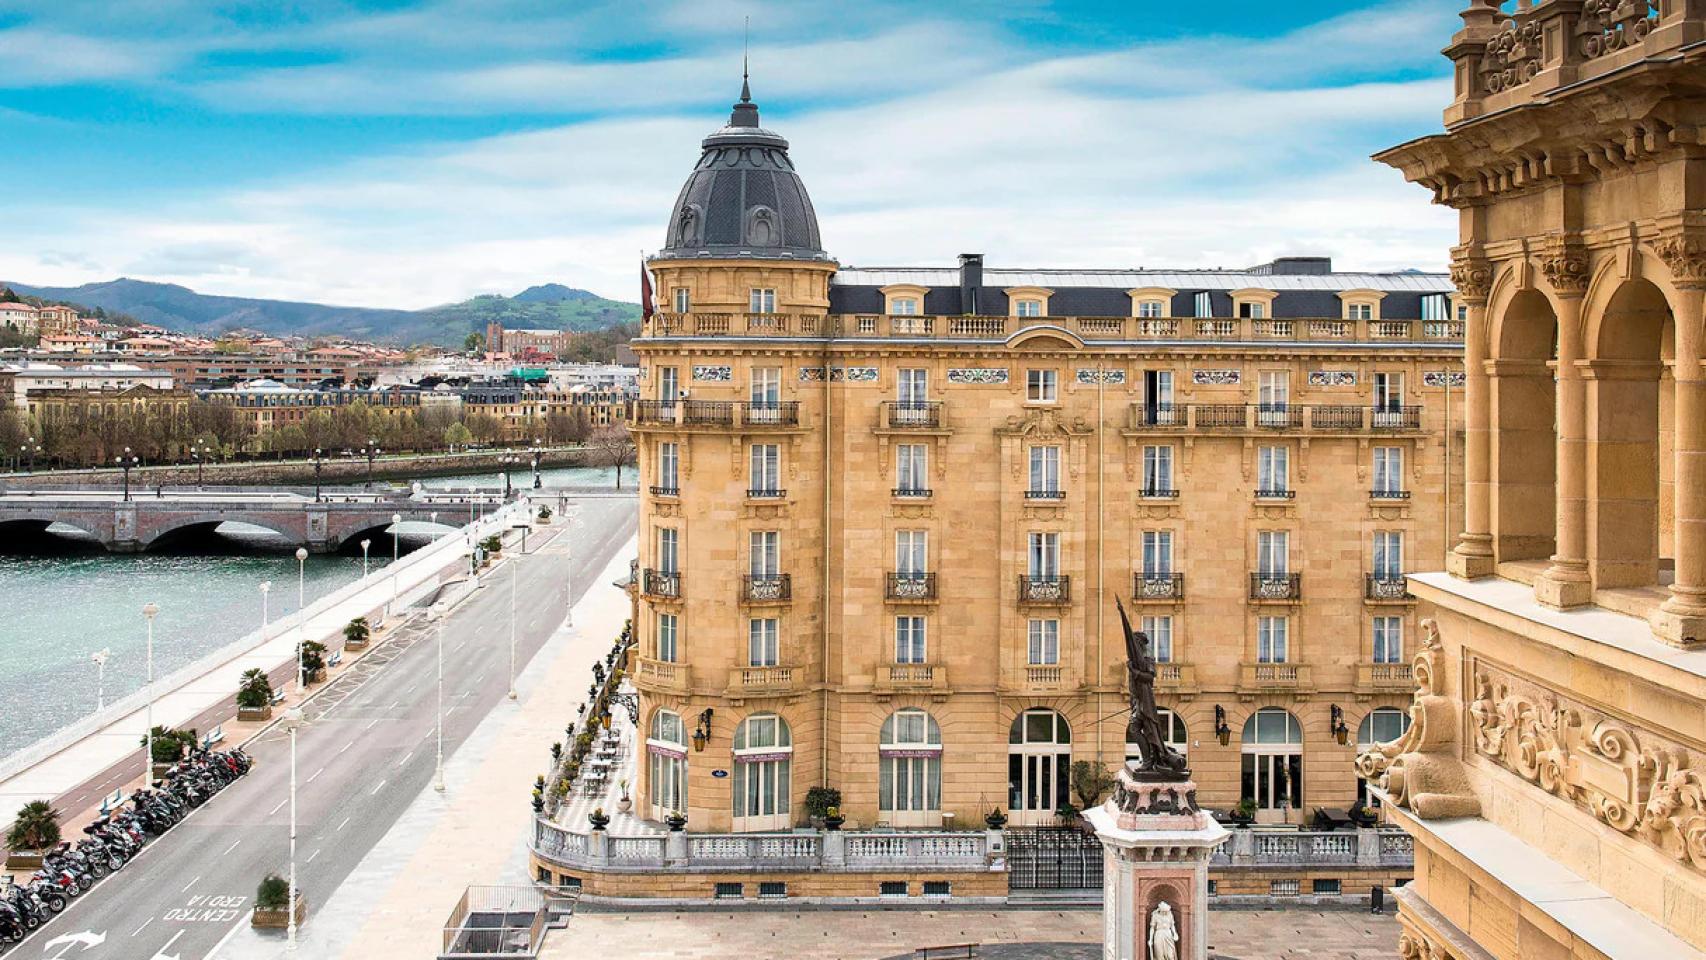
(457, 435)
(254, 691)
(357, 631)
(485, 427)
(273, 893)
(611, 446)
(1090, 780)
(169, 744)
(474, 343)
(36, 828)
(313, 654)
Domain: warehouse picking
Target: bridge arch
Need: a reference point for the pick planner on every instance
(15, 528)
(172, 526)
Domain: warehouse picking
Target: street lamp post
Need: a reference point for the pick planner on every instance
(471, 506)
(438, 760)
(370, 451)
(364, 545)
(396, 518)
(319, 461)
(149, 610)
(536, 450)
(125, 461)
(301, 619)
(292, 722)
(513, 566)
(99, 659)
(199, 451)
(266, 588)
(29, 447)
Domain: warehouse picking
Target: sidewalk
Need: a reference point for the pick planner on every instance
(395, 904)
(117, 736)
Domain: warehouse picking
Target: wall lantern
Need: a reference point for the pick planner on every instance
(702, 731)
(1221, 730)
(1341, 732)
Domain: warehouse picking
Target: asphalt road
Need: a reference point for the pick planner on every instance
(366, 751)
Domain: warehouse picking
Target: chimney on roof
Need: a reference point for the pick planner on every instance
(971, 278)
(1296, 267)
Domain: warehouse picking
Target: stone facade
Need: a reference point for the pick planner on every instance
(1551, 777)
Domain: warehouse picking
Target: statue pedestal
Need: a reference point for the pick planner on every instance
(1156, 847)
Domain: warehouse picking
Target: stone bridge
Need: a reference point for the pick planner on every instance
(323, 525)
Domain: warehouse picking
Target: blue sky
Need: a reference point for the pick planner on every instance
(412, 152)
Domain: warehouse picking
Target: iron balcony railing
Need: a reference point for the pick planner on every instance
(770, 413)
(1396, 418)
(655, 411)
(661, 583)
(1380, 586)
(1336, 417)
(1159, 493)
(770, 588)
(1378, 494)
(912, 493)
(708, 413)
(910, 586)
(1045, 494)
(912, 414)
(1279, 416)
(1210, 416)
(1160, 415)
(669, 491)
(1276, 586)
(1158, 586)
(1272, 493)
(765, 493)
(1045, 590)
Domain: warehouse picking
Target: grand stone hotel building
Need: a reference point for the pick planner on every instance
(888, 512)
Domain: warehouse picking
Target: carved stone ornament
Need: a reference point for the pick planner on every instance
(1685, 255)
(1609, 25)
(1473, 279)
(1420, 770)
(1512, 57)
(1633, 780)
(1566, 269)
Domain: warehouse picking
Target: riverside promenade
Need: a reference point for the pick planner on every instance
(86, 762)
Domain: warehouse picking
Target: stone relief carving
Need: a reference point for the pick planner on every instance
(1442, 378)
(1513, 56)
(1631, 779)
(713, 374)
(1566, 268)
(1106, 376)
(1215, 377)
(1685, 255)
(1332, 378)
(1608, 25)
(1473, 278)
(980, 375)
(1420, 770)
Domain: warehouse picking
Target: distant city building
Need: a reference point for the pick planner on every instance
(56, 320)
(19, 381)
(19, 318)
(268, 405)
(526, 343)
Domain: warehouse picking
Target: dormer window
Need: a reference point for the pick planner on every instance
(1362, 304)
(1028, 301)
(1149, 309)
(1359, 311)
(1028, 308)
(904, 306)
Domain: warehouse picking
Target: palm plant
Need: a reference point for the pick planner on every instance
(254, 691)
(357, 631)
(36, 828)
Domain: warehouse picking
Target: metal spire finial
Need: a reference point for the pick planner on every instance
(745, 59)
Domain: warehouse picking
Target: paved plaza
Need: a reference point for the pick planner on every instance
(1006, 934)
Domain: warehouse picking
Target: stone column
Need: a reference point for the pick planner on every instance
(1566, 582)
(1473, 555)
(1682, 619)
(1156, 848)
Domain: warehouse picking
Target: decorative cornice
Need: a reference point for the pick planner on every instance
(1685, 255)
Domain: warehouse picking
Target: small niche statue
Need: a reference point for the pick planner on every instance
(1163, 933)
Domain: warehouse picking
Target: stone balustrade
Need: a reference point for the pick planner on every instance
(756, 852)
(1093, 329)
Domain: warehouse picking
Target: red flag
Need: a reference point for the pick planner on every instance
(646, 308)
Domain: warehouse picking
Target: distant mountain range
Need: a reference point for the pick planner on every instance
(546, 306)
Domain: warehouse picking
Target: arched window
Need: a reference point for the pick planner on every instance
(667, 752)
(1172, 730)
(1039, 758)
(763, 756)
(1273, 760)
(910, 784)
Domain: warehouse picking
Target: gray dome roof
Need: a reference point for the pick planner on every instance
(744, 198)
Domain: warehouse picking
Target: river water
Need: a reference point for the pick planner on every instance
(63, 599)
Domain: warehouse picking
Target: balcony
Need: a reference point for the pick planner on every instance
(1045, 495)
(910, 588)
(775, 588)
(1384, 678)
(1159, 587)
(1279, 416)
(1158, 493)
(656, 412)
(1044, 677)
(766, 493)
(1045, 591)
(1283, 587)
(1221, 416)
(770, 413)
(911, 677)
(763, 681)
(1159, 416)
(1389, 419)
(1394, 495)
(1386, 589)
(1255, 679)
(669, 491)
(1389, 330)
(663, 675)
(660, 584)
(1177, 678)
(912, 415)
(912, 493)
(1337, 417)
(1269, 494)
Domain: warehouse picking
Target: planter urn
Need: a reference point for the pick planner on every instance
(279, 919)
(255, 713)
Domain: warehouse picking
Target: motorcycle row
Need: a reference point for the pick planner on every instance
(67, 871)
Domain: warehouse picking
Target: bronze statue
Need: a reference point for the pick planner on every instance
(1144, 727)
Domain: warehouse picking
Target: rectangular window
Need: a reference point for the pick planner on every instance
(1043, 648)
(765, 551)
(1253, 311)
(1160, 631)
(904, 306)
(1274, 390)
(1045, 470)
(909, 640)
(1324, 887)
(772, 890)
(1157, 553)
(892, 888)
(1388, 639)
(911, 552)
(938, 888)
(766, 386)
(1203, 304)
(763, 300)
(766, 467)
(1044, 556)
(1157, 470)
(1273, 553)
(1388, 554)
(1158, 390)
(1436, 306)
(762, 642)
(1040, 386)
(669, 384)
(683, 302)
(1271, 639)
(669, 465)
(1273, 470)
(668, 558)
(912, 467)
(1028, 308)
(1388, 392)
(1388, 470)
(912, 385)
(1360, 311)
(666, 646)
(1149, 309)
(728, 891)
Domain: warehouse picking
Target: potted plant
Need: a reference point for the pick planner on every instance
(676, 821)
(1245, 813)
(1067, 814)
(254, 695)
(819, 801)
(538, 800)
(272, 904)
(356, 633)
(493, 545)
(995, 819)
(313, 660)
(545, 515)
(170, 746)
(599, 819)
(36, 829)
(625, 803)
(556, 752)
(832, 819)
